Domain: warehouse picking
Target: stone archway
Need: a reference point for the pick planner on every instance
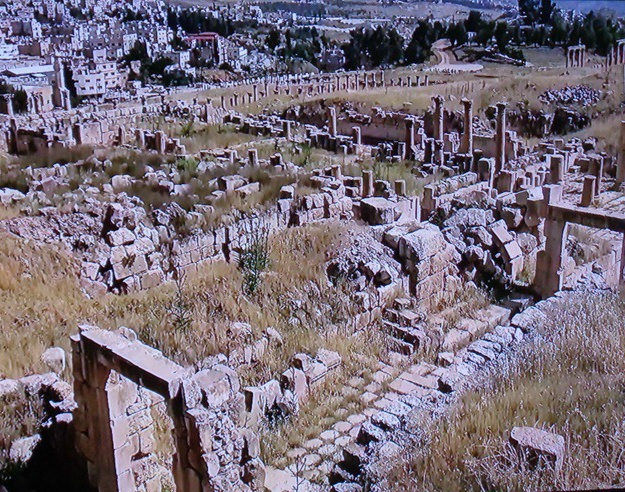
(108, 430)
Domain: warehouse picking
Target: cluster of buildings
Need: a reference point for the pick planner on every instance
(100, 49)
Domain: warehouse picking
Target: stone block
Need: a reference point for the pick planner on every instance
(538, 446)
(377, 211)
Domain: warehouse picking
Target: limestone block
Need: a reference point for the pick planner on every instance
(214, 385)
(500, 233)
(378, 211)
(421, 244)
(539, 446)
(120, 237)
(511, 250)
(295, 380)
(54, 358)
(22, 449)
(385, 421)
(302, 361)
(455, 339)
(329, 358)
(9, 387)
(272, 392)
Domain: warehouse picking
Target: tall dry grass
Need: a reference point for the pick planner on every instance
(568, 379)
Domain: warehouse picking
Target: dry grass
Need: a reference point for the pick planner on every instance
(568, 380)
(41, 305)
(40, 301)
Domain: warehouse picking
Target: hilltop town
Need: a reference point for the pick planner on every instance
(284, 246)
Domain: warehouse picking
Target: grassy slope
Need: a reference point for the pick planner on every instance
(569, 380)
(41, 305)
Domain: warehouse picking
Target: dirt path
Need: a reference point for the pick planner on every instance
(448, 61)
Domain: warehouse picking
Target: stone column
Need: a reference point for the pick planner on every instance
(356, 135)
(332, 121)
(400, 187)
(255, 92)
(500, 155)
(367, 183)
(596, 169)
(438, 117)
(337, 172)
(588, 193)
(140, 136)
(466, 146)
(620, 167)
(253, 157)
(410, 139)
(439, 152)
(286, 129)
(549, 277)
(8, 101)
(556, 169)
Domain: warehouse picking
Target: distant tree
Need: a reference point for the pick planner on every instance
(474, 21)
(457, 34)
(288, 42)
(502, 36)
(529, 10)
(559, 31)
(419, 48)
(158, 66)
(486, 33)
(273, 40)
(547, 11)
(395, 47)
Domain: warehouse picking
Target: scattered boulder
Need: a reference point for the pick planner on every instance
(539, 446)
(54, 358)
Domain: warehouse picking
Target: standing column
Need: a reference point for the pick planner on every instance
(556, 169)
(8, 100)
(500, 156)
(410, 141)
(332, 121)
(438, 117)
(253, 157)
(286, 129)
(588, 192)
(466, 146)
(596, 169)
(367, 183)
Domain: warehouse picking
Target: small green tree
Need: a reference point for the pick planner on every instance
(254, 258)
(180, 308)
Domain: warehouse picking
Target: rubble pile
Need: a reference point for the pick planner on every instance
(579, 94)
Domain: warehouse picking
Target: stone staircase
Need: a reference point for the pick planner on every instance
(393, 391)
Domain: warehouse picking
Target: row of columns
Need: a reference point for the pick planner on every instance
(616, 56)
(576, 56)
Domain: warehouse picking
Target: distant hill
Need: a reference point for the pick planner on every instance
(615, 6)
